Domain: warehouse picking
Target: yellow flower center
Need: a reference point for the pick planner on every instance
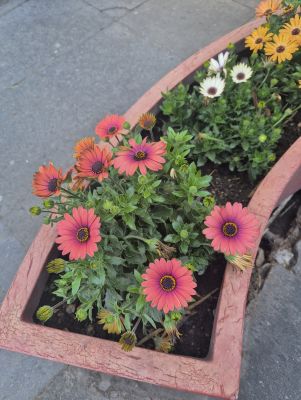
(83, 234)
(230, 229)
(168, 283)
(140, 155)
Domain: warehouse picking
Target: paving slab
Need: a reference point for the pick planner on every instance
(272, 347)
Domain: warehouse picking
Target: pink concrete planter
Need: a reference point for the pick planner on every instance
(218, 375)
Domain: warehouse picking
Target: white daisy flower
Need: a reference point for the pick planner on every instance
(241, 73)
(217, 66)
(212, 86)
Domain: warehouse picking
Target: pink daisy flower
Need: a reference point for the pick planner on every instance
(142, 156)
(94, 163)
(168, 285)
(111, 128)
(233, 229)
(79, 233)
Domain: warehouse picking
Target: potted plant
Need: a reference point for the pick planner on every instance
(131, 227)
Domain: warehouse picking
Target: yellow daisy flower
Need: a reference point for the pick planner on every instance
(282, 48)
(267, 7)
(293, 28)
(110, 322)
(257, 39)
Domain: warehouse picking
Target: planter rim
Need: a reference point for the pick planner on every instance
(219, 374)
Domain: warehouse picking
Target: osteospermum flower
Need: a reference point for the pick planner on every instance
(111, 127)
(282, 48)
(218, 66)
(128, 341)
(257, 38)
(293, 28)
(212, 86)
(110, 322)
(143, 156)
(47, 181)
(79, 233)
(233, 229)
(147, 121)
(267, 7)
(86, 143)
(241, 73)
(168, 285)
(94, 163)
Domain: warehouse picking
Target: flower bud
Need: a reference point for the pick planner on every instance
(261, 104)
(44, 313)
(35, 210)
(262, 138)
(128, 341)
(48, 203)
(184, 234)
(81, 314)
(126, 125)
(173, 173)
(56, 266)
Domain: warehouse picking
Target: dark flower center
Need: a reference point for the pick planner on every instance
(268, 12)
(112, 130)
(296, 31)
(83, 234)
(129, 340)
(230, 229)
(212, 91)
(52, 185)
(240, 76)
(147, 123)
(140, 155)
(258, 40)
(280, 49)
(97, 167)
(167, 283)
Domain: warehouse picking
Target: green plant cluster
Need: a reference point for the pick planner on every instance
(143, 217)
(243, 126)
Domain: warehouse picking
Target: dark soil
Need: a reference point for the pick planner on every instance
(196, 331)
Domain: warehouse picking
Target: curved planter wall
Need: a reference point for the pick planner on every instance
(218, 375)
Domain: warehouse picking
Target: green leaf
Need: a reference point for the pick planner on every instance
(75, 285)
(150, 320)
(140, 303)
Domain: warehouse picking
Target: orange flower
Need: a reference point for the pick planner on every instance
(147, 121)
(293, 28)
(47, 181)
(111, 127)
(86, 143)
(257, 39)
(267, 7)
(282, 48)
(94, 163)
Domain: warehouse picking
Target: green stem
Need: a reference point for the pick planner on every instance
(136, 237)
(51, 212)
(71, 193)
(136, 324)
(286, 116)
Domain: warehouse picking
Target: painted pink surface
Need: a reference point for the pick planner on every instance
(218, 375)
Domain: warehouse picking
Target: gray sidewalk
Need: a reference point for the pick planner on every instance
(64, 64)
